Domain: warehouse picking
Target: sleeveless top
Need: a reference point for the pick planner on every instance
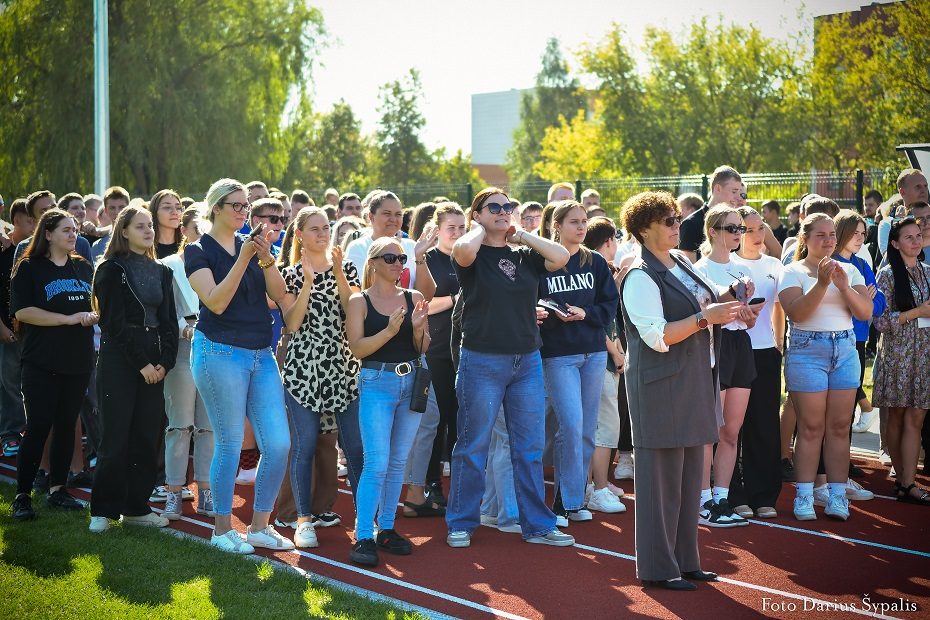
(399, 348)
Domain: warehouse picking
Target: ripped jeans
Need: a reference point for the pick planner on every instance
(187, 418)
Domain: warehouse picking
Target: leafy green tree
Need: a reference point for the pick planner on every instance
(198, 89)
(401, 157)
(556, 94)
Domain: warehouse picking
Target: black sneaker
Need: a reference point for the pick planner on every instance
(82, 479)
(711, 516)
(326, 519)
(62, 499)
(434, 493)
(365, 552)
(723, 507)
(392, 542)
(40, 482)
(22, 508)
(855, 472)
(787, 471)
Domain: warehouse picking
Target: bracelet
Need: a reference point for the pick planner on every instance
(522, 233)
(266, 265)
(421, 261)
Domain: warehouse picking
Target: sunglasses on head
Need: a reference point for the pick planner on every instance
(496, 208)
(732, 228)
(671, 220)
(391, 258)
(273, 219)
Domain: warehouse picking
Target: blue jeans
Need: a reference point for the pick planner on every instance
(821, 361)
(305, 429)
(236, 384)
(573, 383)
(350, 440)
(500, 498)
(485, 381)
(388, 427)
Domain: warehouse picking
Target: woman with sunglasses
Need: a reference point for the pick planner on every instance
(574, 354)
(901, 383)
(821, 296)
(756, 483)
(500, 364)
(232, 363)
(671, 316)
(723, 227)
(387, 330)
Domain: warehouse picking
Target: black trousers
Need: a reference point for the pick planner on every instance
(131, 424)
(626, 430)
(52, 401)
(444, 385)
(756, 479)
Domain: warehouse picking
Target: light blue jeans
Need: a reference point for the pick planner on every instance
(485, 381)
(388, 427)
(500, 497)
(574, 383)
(236, 384)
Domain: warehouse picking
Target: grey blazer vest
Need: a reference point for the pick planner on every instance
(674, 397)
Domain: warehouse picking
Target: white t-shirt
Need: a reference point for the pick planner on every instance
(722, 276)
(357, 252)
(765, 273)
(832, 315)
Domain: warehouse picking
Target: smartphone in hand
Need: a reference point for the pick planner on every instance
(257, 230)
(551, 304)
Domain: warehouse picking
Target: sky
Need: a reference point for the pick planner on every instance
(476, 46)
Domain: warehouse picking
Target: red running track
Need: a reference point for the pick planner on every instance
(779, 568)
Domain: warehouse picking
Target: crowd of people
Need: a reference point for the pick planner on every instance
(257, 339)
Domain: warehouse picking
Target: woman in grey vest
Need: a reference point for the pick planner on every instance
(673, 391)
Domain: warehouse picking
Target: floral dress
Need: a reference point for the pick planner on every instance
(899, 376)
(320, 371)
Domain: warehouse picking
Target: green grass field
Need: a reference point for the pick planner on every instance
(54, 567)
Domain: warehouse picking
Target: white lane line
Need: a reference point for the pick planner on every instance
(856, 541)
(816, 601)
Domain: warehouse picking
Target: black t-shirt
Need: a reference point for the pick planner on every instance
(440, 324)
(781, 233)
(40, 283)
(499, 294)
(6, 269)
(164, 250)
(691, 233)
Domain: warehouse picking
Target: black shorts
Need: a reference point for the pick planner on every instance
(737, 364)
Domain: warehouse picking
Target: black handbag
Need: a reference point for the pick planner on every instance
(422, 378)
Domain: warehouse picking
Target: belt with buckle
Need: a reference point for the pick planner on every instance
(401, 369)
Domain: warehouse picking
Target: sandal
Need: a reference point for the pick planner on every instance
(426, 509)
(904, 494)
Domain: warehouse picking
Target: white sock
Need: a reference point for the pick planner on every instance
(706, 496)
(837, 488)
(721, 493)
(805, 489)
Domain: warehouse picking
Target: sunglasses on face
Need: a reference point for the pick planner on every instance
(238, 207)
(273, 219)
(671, 220)
(732, 229)
(390, 259)
(495, 208)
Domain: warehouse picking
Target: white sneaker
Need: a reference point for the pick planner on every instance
(247, 476)
(838, 507)
(561, 521)
(615, 489)
(173, 507)
(231, 542)
(513, 528)
(884, 458)
(187, 495)
(290, 524)
(855, 491)
(821, 495)
(489, 520)
(446, 469)
(602, 500)
(588, 490)
(458, 539)
(865, 421)
(804, 508)
(99, 524)
(159, 494)
(554, 538)
(624, 468)
(268, 538)
(342, 471)
(149, 520)
(305, 536)
(582, 514)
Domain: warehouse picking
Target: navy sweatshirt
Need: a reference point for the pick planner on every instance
(591, 288)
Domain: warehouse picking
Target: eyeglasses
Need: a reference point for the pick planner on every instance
(390, 259)
(731, 228)
(671, 220)
(531, 218)
(178, 209)
(495, 208)
(238, 207)
(273, 219)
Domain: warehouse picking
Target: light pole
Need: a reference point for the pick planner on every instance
(101, 98)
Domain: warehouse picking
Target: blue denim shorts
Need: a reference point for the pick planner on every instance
(821, 361)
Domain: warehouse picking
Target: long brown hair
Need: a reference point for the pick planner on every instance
(482, 197)
(560, 211)
(39, 245)
(800, 253)
(153, 210)
(119, 245)
(846, 222)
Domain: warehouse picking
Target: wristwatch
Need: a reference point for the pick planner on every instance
(701, 321)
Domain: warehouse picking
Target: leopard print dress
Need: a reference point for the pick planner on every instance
(320, 371)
